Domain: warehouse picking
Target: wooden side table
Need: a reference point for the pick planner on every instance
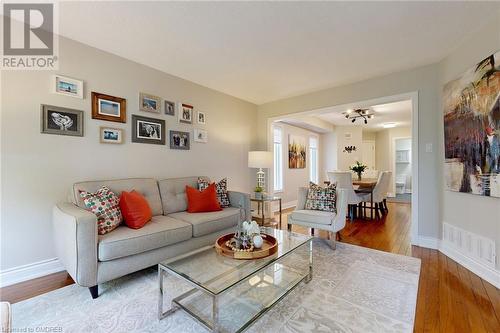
(261, 200)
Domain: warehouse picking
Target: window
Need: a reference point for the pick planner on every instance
(278, 159)
(313, 159)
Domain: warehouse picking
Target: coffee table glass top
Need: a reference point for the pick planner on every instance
(215, 273)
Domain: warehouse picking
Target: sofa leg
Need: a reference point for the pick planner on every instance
(333, 240)
(94, 291)
(289, 227)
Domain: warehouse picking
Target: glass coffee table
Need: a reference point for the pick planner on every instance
(228, 295)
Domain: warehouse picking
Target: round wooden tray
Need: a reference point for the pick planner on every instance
(269, 247)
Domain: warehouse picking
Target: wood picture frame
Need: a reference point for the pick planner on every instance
(149, 103)
(180, 140)
(109, 108)
(110, 135)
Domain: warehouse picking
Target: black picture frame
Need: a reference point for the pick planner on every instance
(140, 131)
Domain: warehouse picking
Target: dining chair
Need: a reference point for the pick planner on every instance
(344, 181)
(380, 193)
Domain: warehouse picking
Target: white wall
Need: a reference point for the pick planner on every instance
(39, 169)
(295, 178)
(477, 214)
(345, 159)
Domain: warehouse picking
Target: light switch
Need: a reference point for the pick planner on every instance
(428, 147)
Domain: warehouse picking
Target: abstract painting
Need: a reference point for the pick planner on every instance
(472, 130)
(296, 152)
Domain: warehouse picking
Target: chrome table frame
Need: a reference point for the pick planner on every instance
(164, 271)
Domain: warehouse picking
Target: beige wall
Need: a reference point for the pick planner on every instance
(295, 178)
(38, 169)
(384, 150)
(369, 135)
(477, 214)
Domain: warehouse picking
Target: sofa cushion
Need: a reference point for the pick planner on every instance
(173, 193)
(105, 205)
(206, 223)
(313, 216)
(148, 187)
(161, 231)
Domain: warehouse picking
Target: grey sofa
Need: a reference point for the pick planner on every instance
(92, 259)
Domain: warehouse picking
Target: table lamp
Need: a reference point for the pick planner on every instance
(260, 160)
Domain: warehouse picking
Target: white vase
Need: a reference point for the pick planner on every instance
(257, 241)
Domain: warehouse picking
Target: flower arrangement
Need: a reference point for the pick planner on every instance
(359, 168)
(246, 238)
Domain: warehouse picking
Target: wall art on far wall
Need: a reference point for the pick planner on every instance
(149, 103)
(296, 152)
(200, 135)
(111, 135)
(472, 130)
(179, 140)
(62, 121)
(67, 86)
(170, 108)
(110, 108)
(148, 130)
(185, 113)
(201, 118)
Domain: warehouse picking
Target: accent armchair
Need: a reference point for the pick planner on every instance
(332, 222)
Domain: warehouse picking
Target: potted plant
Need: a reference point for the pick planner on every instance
(359, 168)
(258, 192)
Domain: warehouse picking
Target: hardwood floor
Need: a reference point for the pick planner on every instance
(450, 298)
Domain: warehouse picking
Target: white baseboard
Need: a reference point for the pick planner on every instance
(482, 270)
(31, 271)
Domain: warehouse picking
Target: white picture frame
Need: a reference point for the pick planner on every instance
(201, 118)
(200, 135)
(110, 135)
(67, 86)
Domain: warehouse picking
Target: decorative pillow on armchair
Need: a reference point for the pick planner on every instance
(106, 206)
(319, 198)
(220, 188)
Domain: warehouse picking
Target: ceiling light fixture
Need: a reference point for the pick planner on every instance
(389, 125)
(358, 113)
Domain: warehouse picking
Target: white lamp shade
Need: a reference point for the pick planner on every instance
(260, 159)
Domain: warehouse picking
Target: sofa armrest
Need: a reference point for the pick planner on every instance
(301, 198)
(75, 237)
(241, 200)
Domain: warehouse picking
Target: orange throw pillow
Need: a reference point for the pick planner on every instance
(135, 209)
(202, 201)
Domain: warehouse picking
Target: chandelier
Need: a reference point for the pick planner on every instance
(364, 114)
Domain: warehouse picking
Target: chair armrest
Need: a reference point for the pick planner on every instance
(341, 206)
(241, 200)
(301, 198)
(75, 237)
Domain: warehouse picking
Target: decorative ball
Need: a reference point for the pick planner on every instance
(258, 241)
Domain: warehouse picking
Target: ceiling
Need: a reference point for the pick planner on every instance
(396, 112)
(264, 51)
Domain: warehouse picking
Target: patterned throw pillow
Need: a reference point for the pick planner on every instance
(319, 198)
(220, 188)
(106, 206)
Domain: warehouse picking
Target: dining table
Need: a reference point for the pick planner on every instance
(364, 185)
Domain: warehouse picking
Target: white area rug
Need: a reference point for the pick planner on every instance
(353, 289)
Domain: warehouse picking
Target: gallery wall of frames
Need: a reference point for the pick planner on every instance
(149, 124)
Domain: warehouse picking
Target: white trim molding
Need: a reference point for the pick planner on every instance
(474, 252)
(30, 271)
(284, 205)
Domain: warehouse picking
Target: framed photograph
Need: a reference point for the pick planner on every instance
(111, 135)
(185, 113)
(170, 108)
(61, 121)
(201, 118)
(179, 140)
(148, 130)
(149, 103)
(67, 86)
(200, 135)
(110, 108)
